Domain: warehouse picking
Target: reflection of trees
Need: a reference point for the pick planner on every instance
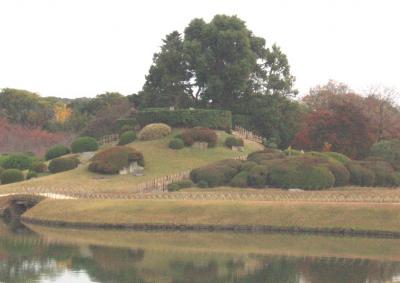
(185, 272)
(272, 271)
(111, 265)
(26, 260)
(348, 271)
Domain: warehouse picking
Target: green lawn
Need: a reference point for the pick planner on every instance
(354, 216)
(160, 161)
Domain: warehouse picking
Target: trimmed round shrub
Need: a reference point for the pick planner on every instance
(233, 163)
(388, 150)
(112, 160)
(31, 175)
(202, 184)
(173, 187)
(62, 164)
(56, 151)
(125, 128)
(18, 161)
(176, 144)
(38, 167)
(211, 175)
(127, 137)
(84, 144)
(360, 175)
(383, 172)
(9, 176)
(191, 136)
(178, 185)
(247, 165)
(265, 155)
(342, 175)
(396, 179)
(240, 180)
(233, 141)
(154, 132)
(258, 176)
(295, 174)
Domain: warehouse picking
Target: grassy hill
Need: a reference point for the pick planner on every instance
(159, 158)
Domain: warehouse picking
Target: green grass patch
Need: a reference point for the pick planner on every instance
(349, 216)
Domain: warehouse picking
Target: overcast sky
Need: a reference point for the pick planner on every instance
(74, 48)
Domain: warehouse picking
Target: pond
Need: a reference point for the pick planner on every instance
(43, 255)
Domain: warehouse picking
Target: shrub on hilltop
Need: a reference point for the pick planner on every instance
(154, 132)
(84, 144)
(190, 136)
(57, 151)
(18, 161)
(127, 137)
(112, 160)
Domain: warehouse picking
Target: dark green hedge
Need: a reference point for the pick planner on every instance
(214, 119)
(11, 176)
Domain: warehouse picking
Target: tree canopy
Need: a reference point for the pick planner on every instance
(215, 64)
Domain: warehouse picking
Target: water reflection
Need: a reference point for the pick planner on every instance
(50, 255)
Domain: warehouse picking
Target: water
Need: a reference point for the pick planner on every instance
(43, 255)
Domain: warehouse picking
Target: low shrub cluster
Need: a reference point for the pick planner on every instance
(190, 136)
(38, 167)
(154, 132)
(127, 137)
(18, 161)
(176, 144)
(178, 185)
(125, 128)
(62, 164)
(112, 160)
(186, 118)
(233, 141)
(388, 150)
(308, 171)
(217, 174)
(84, 144)
(31, 175)
(57, 151)
(9, 176)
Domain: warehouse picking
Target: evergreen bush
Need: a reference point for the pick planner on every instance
(84, 144)
(56, 151)
(38, 167)
(360, 175)
(233, 141)
(127, 137)
(193, 135)
(388, 150)
(9, 176)
(112, 160)
(240, 180)
(176, 144)
(62, 164)
(18, 161)
(154, 132)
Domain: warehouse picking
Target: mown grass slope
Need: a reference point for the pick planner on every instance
(160, 161)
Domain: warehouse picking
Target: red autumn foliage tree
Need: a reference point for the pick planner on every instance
(378, 105)
(343, 125)
(16, 138)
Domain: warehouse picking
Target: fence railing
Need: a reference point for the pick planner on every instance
(248, 135)
(108, 139)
